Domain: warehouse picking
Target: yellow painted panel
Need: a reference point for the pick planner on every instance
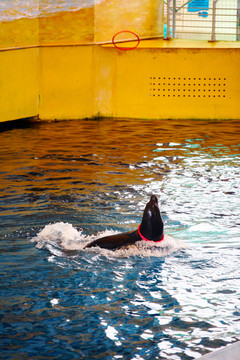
(67, 22)
(67, 27)
(19, 84)
(88, 81)
(35, 22)
(19, 25)
(144, 17)
(105, 82)
(174, 83)
(66, 87)
(19, 33)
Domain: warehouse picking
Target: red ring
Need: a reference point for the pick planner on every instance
(126, 48)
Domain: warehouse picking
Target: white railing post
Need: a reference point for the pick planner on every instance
(174, 19)
(168, 19)
(214, 8)
(238, 20)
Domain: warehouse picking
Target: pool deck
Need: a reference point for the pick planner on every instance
(181, 44)
(230, 352)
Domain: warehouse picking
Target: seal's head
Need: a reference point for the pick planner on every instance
(151, 227)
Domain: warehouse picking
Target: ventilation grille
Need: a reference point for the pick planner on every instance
(187, 87)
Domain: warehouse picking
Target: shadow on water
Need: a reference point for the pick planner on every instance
(26, 123)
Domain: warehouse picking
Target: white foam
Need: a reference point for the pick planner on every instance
(54, 302)
(63, 236)
(157, 249)
(203, 227)
(145, 248)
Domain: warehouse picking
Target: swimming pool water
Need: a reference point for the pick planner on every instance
(88, 177)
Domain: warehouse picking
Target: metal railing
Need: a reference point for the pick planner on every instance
(202, 19)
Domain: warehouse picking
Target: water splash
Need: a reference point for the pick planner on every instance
(61, 237)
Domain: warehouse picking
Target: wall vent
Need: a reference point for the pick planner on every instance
(187, 87)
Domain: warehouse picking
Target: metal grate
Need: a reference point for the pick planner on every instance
(187, 87)
(188, 21)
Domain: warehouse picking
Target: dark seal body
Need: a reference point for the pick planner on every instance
(150, 229)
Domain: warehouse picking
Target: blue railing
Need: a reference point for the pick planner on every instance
(202, 19)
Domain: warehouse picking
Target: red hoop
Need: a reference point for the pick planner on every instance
(126, 48)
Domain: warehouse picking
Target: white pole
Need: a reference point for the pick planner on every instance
(214, 8)
(238, 20)
(174, 19)
(168, 19)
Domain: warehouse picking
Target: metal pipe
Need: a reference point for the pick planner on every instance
(214, 8)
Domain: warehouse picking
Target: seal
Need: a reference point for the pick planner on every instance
(150, 229)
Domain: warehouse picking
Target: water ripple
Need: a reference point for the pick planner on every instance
(62, 184)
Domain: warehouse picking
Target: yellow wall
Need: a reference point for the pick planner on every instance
(159, 79)
(53, 66)
(45, 67)
(67, 27)
(153, 81)
(175, 82)
(41, 22)
(66, 82)
(144, 17)
(19, 84)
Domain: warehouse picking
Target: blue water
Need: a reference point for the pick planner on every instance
(73, 180)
